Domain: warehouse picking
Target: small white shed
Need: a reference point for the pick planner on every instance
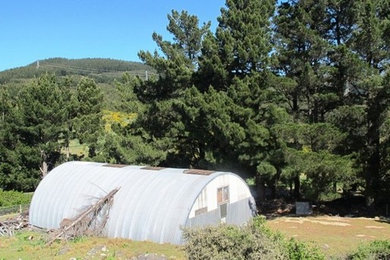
(152, 203)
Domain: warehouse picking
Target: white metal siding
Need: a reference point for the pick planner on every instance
(238, 190)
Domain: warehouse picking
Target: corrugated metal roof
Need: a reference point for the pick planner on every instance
(152, 204)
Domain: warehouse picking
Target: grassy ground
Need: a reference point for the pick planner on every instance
(335, 235)
(32, 245)
(8, 217)
(76, 148)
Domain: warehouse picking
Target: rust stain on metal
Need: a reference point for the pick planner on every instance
(198, 171)
(152, 168)
(114, 165)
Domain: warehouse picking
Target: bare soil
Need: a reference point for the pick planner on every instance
(335, 235)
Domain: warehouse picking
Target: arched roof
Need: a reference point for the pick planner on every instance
(152, 203)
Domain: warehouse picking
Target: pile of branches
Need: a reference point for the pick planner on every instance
(8, 227)
(91, 221)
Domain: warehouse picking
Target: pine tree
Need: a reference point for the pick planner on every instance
(237, 62)
(43, 111)
(370, 42)
(159, 126)
(8, 144)
(311, 37)
(187, 35)
(178, 60)
(88, 121)
(241, 44)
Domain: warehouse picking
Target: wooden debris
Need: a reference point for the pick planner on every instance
(91, 221)
(8, 227)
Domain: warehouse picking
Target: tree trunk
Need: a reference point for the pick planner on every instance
(372, 169)
(92, 151)
(67, 152)
(44, 169)
(297, 187)
(260, 189)
(275, 180)
(372, 176)
(273, 190)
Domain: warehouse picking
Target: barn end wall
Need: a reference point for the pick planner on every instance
(238, 214)
(238, 209)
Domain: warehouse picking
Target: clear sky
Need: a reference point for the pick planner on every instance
(38, 29)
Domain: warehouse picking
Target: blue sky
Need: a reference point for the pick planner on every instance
(118, 29)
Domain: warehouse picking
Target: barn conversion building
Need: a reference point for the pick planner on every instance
(152, 203)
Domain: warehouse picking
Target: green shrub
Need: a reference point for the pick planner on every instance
(229, 242)
(379, 249)
(253, 241)
(12, 198)
(302, 251)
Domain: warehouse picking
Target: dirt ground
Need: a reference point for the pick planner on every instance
(335, 235)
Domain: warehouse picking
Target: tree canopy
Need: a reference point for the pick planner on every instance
(293, 94)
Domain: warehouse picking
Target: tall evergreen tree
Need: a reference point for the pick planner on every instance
(88, 122)
(372, 21)
(187, 34)
(309, 36)
(11, 166)
(175, 67)
(178, 60)
(42, 111)
(301, 53)
(237, 61)
(241, 44)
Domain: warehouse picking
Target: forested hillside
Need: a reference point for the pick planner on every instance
(294, 95)
(102, 70)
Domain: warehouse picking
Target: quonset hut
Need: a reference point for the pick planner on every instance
(152, 203)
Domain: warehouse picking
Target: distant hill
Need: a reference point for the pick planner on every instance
(102, 70)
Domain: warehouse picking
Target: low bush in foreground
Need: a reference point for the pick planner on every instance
(379, 249)
(253, 241)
